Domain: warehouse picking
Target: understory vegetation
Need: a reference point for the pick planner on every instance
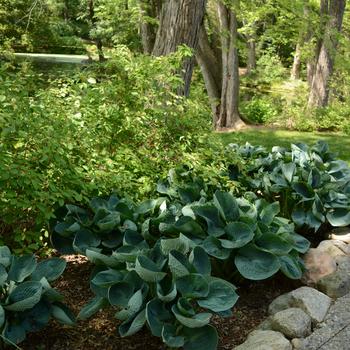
(180, 166)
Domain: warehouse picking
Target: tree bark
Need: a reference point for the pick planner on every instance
(319, 94)
(180, 23)
(98, 41)
(229, 116)
(251, 46)
(295, 73)
(147, 29)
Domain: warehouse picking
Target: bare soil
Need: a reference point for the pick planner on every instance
(100, 332)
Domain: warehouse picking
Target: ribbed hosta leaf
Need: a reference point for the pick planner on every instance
(24, 296)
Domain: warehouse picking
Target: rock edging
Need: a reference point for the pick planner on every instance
(314, 307)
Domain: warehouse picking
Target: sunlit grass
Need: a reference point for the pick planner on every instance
(339, 143)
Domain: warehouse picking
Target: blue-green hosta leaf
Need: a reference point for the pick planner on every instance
(186, 225)
(239, 233)
(24, 296)
(274, 244)
(5, 256)
(62, 244)
(204, 338)
(133, 238)
(85, 239)
(127, 253)
(290, 266)
(314, 179)
(3, 275)
(227, 206)
(51, 269)
(255, 264)
(148, 270)
(288, 170)
(339, 217)
(36, 318)
(212, 217)
(171, 338)
(147, 206)
(247, 209)
(178, 244)
(178, 264)
(222, 296)
(312, 221)
(21, 267)
(166, 290)
(132, 326)
(185, 307)
(120, 293)
(92, 307)
(2, 316)
(157, 316)
(129, 225)
(101, 259)
(196, 321)
(14, 333)
(62, 314)
(107, 278)
(200, 260)
(301, 244)
(304, 190)
(299, 216)
(50, 294)
(214, 247)
(109, 222)
(135, 304)
(67, 229)
(269, 212)
(192, 286)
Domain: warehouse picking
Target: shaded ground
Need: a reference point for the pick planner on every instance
(101, 331)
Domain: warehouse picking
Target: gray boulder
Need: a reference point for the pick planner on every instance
(265, 340)
(336, 284)
(313, 302)
(293, 323)
(280, 303)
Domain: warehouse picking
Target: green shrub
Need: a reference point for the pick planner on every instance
(260, 110)
(27, 301)
(64, 140)
(269, 67)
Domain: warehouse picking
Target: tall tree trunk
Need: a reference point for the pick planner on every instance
(229, 116)
(147, 29)
(251, 46)
(295, 73)
(319, 94)
(98, 41)
(180, 23)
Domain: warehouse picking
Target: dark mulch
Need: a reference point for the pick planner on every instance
(101, 331)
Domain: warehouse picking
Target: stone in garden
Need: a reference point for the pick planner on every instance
(265, 325)
(318, 264)
(280, 303)
(341, 234)
(313, 302)
(344, 247)
(336, 284)
(293, 323)
(343, 263)
(298, 343)
(265, 340)
(330, 248)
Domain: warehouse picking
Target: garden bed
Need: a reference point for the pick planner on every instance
(101, 330)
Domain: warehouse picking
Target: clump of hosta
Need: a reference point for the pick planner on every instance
(27, 301)
(310, 183)
(168, 288)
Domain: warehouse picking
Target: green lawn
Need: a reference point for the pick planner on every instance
(339, 143)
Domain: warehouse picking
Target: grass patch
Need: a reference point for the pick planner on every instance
(339, 143)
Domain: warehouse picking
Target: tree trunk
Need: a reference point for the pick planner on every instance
(147, 29)
(229, 116)
(295, 73)
(98, 41)
(180, 23)
(251, 46)
(319, 94)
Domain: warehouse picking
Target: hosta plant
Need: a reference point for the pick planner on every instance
(244, 235)
(168, 288)
(27, 301)
(312, 186)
